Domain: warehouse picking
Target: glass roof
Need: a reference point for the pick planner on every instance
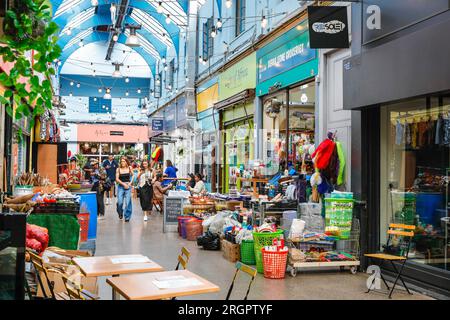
(173, 8)
(65, 6)
(151, 25)
(78, 20)
(146, 45)
(78, 37)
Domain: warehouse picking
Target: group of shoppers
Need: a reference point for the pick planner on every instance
(112, 178)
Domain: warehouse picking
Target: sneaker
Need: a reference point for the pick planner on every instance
(127, 220)
(145, 218)
(120, 216)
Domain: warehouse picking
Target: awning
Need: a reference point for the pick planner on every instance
(239, 98)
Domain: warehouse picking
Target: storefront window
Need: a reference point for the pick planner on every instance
(239, 148)
(106, 148)
(116, 148)
(274, 132)
(415, 168)
(301, 125)
(91, 148)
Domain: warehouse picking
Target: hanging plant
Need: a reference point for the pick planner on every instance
(28, 28)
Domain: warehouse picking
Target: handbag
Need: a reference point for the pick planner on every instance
(107, 184)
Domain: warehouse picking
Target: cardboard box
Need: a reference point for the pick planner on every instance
(231, 251)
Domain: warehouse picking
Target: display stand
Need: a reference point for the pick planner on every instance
(254, 182)
(173, 208)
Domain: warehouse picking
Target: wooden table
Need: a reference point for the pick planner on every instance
(254, 181)
(103, 266)
(141, 286)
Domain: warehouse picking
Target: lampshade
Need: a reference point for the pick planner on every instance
(116, 73)
(132, 40)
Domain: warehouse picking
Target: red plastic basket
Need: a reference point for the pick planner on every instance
(83, 220)
(274, 264)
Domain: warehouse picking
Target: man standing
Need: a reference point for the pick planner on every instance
(110, 166)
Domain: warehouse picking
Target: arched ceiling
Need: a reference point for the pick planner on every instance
(79, 20)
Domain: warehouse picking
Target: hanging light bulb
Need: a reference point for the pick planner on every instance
(127, 93)
(100, 90)
(70, 94)
(78, 85)
(68, 31)
(133, 40)
(228, 4)
(81, 43)
(200, 59)
(139, 90)
(263, 22)
(159, 9)
(107, 94)
(116, 73)
(71, 83)
(95, 99)
(115, 37)
(158, 81)
(213, 32)
(219, 23)
(94, 3)
(127, 79)
(165, 67)
(163, 60)
(187, 78)
(168, 19)
(93, 73)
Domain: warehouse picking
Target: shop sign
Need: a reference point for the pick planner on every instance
(384, 17)
(207, 98)
(238, 77)
(169, 117)
(328, 27)
(157, 124)
(181, 111)
(286, 60)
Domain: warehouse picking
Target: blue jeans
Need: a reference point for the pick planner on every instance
(124, 195)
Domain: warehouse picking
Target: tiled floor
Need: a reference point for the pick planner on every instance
(117, 237)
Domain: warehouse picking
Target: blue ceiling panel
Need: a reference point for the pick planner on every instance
(89, 86)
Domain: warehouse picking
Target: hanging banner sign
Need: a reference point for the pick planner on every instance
(328, 27)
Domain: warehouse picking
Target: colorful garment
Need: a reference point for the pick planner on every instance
(323, 154)
(341, 156)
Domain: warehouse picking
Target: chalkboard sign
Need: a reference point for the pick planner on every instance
(173, 208)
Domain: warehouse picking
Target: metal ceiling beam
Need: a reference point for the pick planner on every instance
(117, 26)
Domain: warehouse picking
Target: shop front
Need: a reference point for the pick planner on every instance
(99, 141)
(286, 85)
(236, 112)
(206, 137)
(401, 162)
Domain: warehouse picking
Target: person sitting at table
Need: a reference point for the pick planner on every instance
(170, 172)
(158, 189)
(199, 187)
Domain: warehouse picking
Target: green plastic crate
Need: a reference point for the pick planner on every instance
(248, 252)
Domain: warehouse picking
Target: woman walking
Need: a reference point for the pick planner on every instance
(124, 177)
(146, 189)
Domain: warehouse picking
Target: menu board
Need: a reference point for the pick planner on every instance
(173, 208)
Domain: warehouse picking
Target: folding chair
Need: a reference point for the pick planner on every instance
(75, 290)
(246, 269)
(402, 235)
(38, 265)
(183, 258)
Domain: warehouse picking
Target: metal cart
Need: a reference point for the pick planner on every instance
(350, 245)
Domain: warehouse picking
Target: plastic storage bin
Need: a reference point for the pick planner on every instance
(248, 252)
(262, 239)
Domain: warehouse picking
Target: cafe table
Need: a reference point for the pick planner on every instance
(161, 285)
(115, 266)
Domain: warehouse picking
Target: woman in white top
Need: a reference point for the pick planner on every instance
(199, 187)
(145, 189)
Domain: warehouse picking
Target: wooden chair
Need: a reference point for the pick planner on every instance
(401, 233)
(75, 290)
(41, 275)
(246, 269)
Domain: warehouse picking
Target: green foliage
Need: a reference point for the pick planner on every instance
(27, 27)
(81, 159)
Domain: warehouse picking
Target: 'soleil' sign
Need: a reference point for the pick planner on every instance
(328, 27)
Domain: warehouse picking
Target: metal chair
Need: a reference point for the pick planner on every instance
(183, 258)
(246, 269)
(402, 234)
